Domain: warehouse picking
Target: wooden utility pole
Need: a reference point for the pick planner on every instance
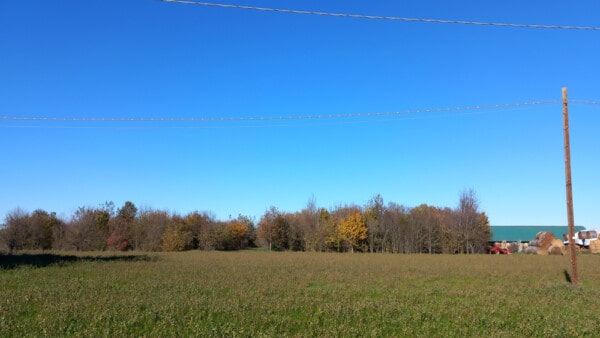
(570, 217)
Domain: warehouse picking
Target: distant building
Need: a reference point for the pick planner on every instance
(526, 233)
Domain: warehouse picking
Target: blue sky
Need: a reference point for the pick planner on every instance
(151, 59)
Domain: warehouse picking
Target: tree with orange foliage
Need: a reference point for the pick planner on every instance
(237, 234)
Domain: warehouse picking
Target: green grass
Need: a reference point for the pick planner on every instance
(241, 294)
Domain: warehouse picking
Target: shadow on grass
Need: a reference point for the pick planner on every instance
(568, 276)
(42, 260)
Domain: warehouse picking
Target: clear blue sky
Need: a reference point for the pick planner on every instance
(146, 58)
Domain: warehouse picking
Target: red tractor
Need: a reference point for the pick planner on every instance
(498, 250)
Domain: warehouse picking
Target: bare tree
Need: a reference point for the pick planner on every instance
(375, 223)
(89, 229)
(16, 230)
(42, 226)
(396, 217)
(273, 229)
(147, 231)
(308, 221)
(472, 226)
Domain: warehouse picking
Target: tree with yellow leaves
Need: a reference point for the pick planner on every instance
(353, 229)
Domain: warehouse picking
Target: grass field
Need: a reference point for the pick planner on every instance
(261, 294)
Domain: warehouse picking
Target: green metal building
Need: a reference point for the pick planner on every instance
(526, 233)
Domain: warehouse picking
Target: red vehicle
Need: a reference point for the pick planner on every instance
(498, 250)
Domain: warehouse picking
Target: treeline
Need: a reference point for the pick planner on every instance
(101, 228)
(375, 227)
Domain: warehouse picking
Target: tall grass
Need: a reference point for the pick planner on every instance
(240, 294)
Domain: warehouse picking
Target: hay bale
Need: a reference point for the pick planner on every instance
(557, 242)
(557, 247)
(556, 250)
(595, 246)
(588, 234)
(531, 250)
(535, 242)
(544, 239)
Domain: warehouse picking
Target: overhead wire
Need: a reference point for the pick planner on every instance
(273, 118)
(384, 17)
(584, 101)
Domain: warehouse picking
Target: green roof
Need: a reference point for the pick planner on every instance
(526, 233)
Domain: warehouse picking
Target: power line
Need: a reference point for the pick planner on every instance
(266, 124)
(272, 118)
(380, 17)
(585, 101)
